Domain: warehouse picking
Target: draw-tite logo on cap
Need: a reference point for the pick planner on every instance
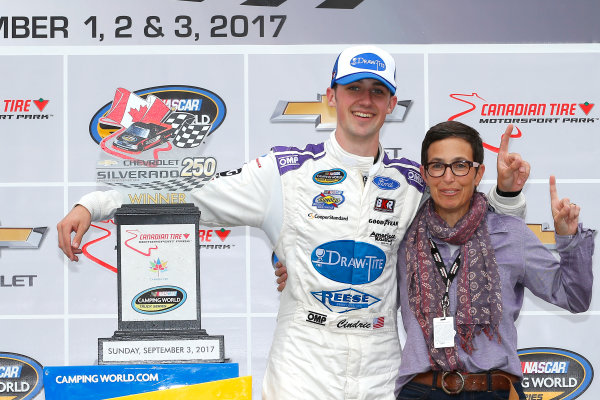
(554, 374)
(368, 61)
(20, 377)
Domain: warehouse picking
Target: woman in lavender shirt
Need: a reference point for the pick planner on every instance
(462, 273)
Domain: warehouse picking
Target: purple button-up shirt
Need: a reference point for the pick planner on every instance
(523, 262)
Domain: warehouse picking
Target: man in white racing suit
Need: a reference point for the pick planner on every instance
(335, 213)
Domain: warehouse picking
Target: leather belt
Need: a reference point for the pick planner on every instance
(454, 382)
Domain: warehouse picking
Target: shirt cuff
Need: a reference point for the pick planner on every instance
(568, 242)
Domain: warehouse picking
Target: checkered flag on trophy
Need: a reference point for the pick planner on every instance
(187, 132)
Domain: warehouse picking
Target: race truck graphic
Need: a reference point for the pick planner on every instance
(142, 136)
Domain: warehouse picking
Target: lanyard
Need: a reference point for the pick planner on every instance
(447, 276)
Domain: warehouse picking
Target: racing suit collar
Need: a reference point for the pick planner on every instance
(366, 164)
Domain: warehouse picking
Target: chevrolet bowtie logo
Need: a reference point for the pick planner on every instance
(321, 114)
(22, 238)
(544, 233)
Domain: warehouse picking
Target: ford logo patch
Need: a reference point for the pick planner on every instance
(385, 183)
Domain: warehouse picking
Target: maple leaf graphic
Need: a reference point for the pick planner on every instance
(158, 266)
(137, 115)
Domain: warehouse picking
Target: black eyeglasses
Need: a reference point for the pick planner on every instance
(436, 169)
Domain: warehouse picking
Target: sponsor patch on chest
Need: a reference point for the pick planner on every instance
(384, 205)
(328, 199)
(344, 300)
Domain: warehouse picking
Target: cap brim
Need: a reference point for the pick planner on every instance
(365, 75)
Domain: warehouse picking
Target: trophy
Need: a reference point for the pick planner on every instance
(159, 289)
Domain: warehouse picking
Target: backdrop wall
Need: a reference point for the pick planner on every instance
(62, 62)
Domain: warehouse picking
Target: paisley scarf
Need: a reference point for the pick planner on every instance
(479, 298)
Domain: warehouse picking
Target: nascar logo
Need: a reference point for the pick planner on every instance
(329, 177)
(203, 107)
(554, 374)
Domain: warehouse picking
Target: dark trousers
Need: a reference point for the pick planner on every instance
(417, 391)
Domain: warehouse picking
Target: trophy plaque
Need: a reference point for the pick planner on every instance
(159, 289)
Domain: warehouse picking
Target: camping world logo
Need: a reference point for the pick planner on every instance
(554, 374)
(475, 109)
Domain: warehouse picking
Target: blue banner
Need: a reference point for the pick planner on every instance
(99, 382)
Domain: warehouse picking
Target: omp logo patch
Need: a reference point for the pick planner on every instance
(316, 318)
(285, 161)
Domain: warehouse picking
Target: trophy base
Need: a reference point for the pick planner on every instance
(173, 347)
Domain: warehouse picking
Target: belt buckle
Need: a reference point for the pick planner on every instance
(462, 383)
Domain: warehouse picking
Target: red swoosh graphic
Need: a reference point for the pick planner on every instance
(86, 253)
(158, 150)
(464, 101)
(512, 135)
(110, 151)
(473, 106)
(134, 249)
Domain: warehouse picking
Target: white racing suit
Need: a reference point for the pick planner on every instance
(336, 221)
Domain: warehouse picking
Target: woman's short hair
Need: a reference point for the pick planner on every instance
(449, 129)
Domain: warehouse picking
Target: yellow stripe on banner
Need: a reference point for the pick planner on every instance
(226, 389)
(543, 395)
(545, 236)
(7, 397)
(14, 235)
